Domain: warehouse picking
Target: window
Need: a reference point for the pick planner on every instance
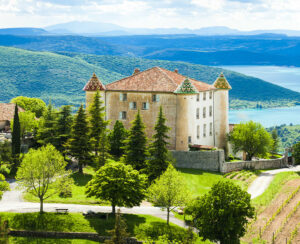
(204, 130)
(155, 98)
(123, 97)
(210, 95)
(204, 112)
(204, 96)
(122, 115)
(145, 106)
(197, 113)
(210, 129)
(198, 97)
(132, 105)
(210, 111)
(189, 139)
(198, 131)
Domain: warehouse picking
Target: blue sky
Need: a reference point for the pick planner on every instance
(238, 14)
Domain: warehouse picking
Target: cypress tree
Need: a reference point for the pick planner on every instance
(63, 128)
(117, 139)
(159, 158)
(136, 149)
(16, 134)
(78, 145)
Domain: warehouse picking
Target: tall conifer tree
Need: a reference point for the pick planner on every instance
(16, 134)
(117, 139)
(78, 145)
(136, 149)
(159, 158)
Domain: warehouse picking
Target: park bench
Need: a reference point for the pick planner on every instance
(62, 210)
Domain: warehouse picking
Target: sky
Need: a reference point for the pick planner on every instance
(193, 14)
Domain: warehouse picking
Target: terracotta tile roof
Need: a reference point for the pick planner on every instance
(7, 111)
(221, 82)
(94, 84)
(155, 79)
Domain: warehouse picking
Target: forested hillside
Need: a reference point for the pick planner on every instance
(288, 134)
(61, 76)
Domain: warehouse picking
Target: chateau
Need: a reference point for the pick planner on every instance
(196, 112)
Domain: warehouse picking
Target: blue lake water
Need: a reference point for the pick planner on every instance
(267, 117)
(288, 77)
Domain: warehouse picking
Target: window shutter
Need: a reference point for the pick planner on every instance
(120, 115)
(157, 98)
(147, 105)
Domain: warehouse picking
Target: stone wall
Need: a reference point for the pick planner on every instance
(255, 164)
(204, 160)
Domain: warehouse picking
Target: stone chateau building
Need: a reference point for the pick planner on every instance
(196, 111)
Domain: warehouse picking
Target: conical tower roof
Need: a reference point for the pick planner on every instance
(186, 87)
(222, 83)
(94, 84)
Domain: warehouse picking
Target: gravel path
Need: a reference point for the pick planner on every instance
(261, 183)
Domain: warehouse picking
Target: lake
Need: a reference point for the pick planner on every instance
(288, 77)
(267, 117)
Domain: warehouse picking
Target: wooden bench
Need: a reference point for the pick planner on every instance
(62, 210)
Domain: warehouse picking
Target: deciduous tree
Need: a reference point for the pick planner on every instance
(222, 214)
(119, 184)
(28, 123)
(41, 172)
(169, 191)
(79, 144)
(136, 144)
(251, 138)
(34, 105)
(159, 154)
(296, 152)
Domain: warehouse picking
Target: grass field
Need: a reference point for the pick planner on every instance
(31, 240)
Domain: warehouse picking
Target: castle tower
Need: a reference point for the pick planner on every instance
(183, 92)
(90, 89)
(221, 107)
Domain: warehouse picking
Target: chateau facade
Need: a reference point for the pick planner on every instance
(196, 112)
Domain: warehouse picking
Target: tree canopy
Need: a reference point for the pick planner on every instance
(34, 105)
(222, 214)
(296, 153)
(119, 184)
(27, 121)
(169, 190)
(41, 172)
(250, 137)
(117, 139)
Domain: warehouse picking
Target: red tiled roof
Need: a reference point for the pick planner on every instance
(94, 84)
(7, 111)
(155, 79)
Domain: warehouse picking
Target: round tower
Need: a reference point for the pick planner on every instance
(90, 89)
(221, 107)
(183, 92)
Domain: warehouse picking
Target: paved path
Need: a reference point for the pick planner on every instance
(12, 202)
(261, 183)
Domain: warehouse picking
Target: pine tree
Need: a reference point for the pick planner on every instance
(119, 233)
(78, 145)
(63, 128)
(98, 133)
(136, 149)
(116, 139)
(47, 130)
(159, 160)
(16, 134)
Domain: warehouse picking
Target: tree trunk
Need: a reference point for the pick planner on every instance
(113, 209)
(41, 205)
(168, 215)
(80, 168)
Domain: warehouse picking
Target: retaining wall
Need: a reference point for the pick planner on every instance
(205, 160)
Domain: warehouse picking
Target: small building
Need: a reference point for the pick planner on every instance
(7, 111)
(196, 112)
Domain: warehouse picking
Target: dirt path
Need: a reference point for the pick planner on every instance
(261, 183)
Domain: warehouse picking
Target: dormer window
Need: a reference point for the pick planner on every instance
(155, 98)
(123, 97)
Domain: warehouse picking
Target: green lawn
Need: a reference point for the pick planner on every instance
(199, 182)
(78, 191)
(140, 226)
(31, 240)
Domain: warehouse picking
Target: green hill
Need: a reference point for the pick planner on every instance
(61, 76)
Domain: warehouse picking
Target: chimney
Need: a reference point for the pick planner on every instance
(176, 71)
(136, 70)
